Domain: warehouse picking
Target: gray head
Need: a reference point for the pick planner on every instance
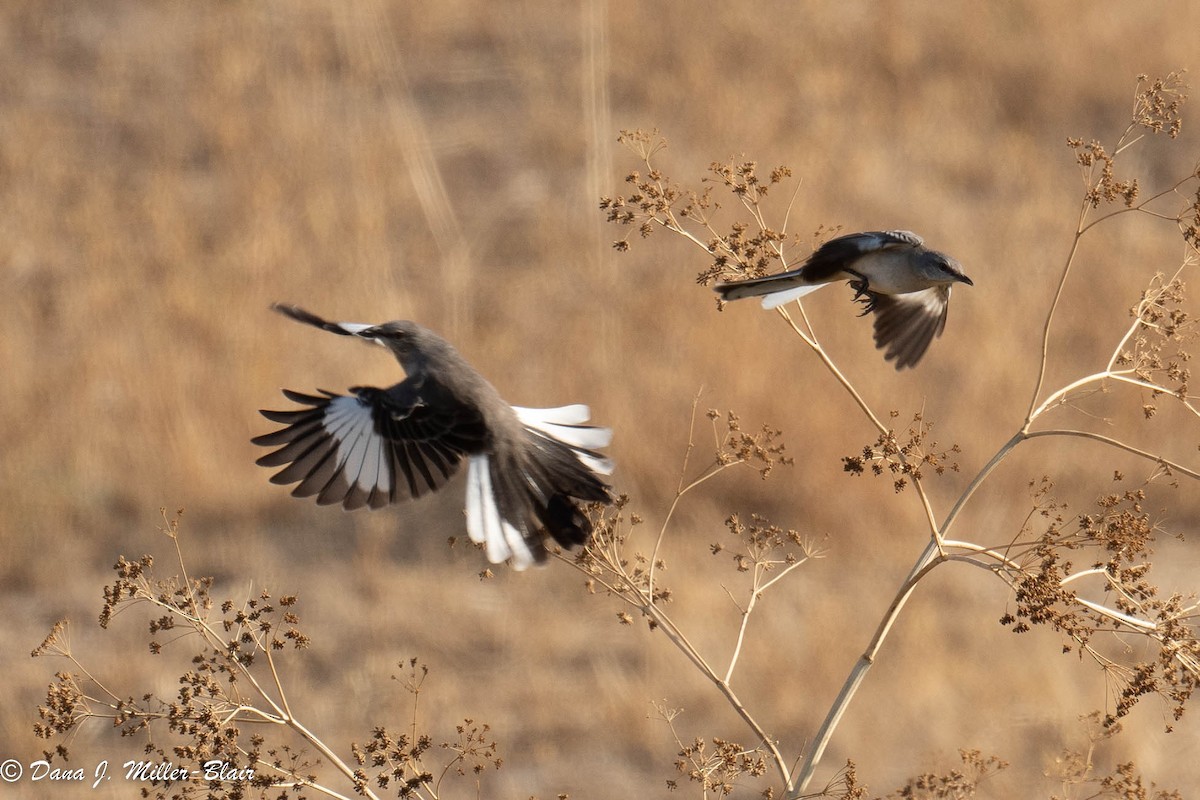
(941, 268)
(413, 346)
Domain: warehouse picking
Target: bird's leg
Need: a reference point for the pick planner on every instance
(863, 293)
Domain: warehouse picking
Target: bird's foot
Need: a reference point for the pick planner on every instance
(863, 294)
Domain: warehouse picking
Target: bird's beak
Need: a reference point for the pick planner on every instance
(967, 280)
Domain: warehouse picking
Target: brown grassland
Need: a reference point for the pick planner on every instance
(167, 171)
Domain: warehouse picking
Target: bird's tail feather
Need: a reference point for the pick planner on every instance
(564, 425)
(775, 290)
(540, 486)
(776, 299)
(487, 522)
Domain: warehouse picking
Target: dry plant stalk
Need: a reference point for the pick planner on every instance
(1048, 587)
(762, 552)
(231, 714)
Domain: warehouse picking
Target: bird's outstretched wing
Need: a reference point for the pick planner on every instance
(906, 324)
(370, 448)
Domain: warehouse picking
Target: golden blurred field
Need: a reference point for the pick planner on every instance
(169, 170)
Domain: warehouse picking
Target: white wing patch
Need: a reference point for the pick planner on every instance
(353, 327)
(360, 457)
(932, 300)
(501, 540)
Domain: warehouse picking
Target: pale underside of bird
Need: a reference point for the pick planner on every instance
(903, 283)
(528, 469)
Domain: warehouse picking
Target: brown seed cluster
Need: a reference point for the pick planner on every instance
(746, 246)
(1102, 185)
(399, 761)
(1189, 220)
(1158, 104)
(1081, 775)
(1157, 352)
(763, 545)
(761, 449)
(1156, 108)
(227, 686)
(1117, 537)
(612, 565)
(904, 459)
(718, 766)
(955, 784)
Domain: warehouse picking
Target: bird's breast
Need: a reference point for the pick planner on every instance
(891, 271)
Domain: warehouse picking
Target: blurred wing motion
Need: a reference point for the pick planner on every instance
(906, 324)
(370, 449)
(515, 494)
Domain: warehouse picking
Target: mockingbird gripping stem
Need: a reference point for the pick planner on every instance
(903, 283)
(528, 469)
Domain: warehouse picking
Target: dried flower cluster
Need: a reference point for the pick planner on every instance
(1117, 538)
(610, 561)
(1103, 187)
(231, 685)
(764, 546)
(719, 769)
(652, 200)
(400, 761)
(957, 784)
(1158, 103)
(1189, 219)
(1156, 352)
(744, 248)
(1156, 108)
(888, 455)
(761, 449)
(204, 721)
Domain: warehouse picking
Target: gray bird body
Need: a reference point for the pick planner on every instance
(905, 284)
(528, 469)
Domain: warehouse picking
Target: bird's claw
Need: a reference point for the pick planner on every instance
(862, 294)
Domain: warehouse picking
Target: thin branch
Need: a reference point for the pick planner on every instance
(1058, 292)
(979, 478)
(756, 592)
(741, 636)
(1157, 459)
(1142, 205)
(680, 641)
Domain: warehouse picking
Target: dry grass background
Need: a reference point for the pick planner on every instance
(167, 171)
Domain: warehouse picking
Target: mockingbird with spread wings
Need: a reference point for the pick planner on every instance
(528, 469)
(903, 283)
